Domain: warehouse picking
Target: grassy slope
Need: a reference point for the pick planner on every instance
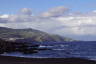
(33, 34)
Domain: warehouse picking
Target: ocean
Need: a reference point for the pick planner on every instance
(80, 49)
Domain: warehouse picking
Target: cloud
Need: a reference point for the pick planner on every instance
(55, 12)
(79, 25)
(25, 11)
(20, 18)
(54, 21)
(4, 16)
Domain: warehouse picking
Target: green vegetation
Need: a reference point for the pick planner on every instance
(31, 35)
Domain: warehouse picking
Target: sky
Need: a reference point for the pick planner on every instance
(69, 18)
(12, 6)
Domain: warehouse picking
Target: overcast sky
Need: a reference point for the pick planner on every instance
(69, 18)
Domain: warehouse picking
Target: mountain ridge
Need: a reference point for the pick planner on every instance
(31, 35)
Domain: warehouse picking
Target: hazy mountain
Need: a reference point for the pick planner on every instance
(30, 35)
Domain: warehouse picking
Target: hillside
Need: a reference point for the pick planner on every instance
(30, 35)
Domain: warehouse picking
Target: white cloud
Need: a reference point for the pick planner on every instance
(55, 12)
(2, 25)
(4, 16)
(54, 21)
(80, 25)
(25, 11)
(94, 11)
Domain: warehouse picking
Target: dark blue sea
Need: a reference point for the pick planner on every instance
(81, 49)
